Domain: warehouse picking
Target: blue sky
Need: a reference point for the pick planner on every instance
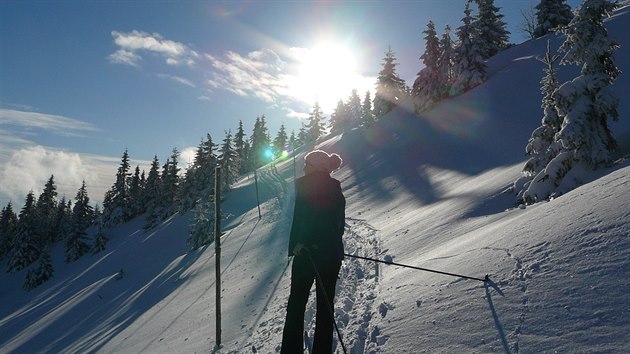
(80, 81)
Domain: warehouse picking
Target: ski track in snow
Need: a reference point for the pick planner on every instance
(357, 291)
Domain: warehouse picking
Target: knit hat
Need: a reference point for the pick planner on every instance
(322, 161)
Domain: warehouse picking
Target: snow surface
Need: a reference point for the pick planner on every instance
(430, 191)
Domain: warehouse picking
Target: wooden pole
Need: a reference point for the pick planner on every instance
(217, 248)
(294, 174)
(257, 197)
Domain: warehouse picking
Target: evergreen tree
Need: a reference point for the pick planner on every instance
(239, 142)
(280, 142)
(293, 141)
(38, 275)
(98, 213)
(228, 160)
(469, 68)
(170, 185)
(100, 242)
(46, 207)
(541, 146)
(550, 15)
(353, 109)
(587, 103)
(492, 33)
(118, 207)
(25, 248)
(259, 143)
(390, 89)
(63, 219)
(367, 114)
(315, 127)
(187, 189)
(201, 226)
(82, 216)
(153, 189)
(207, 164)
(445, 63)
(302, 135)
(427, 86)
(8, 229)
(135, 193)
(584, 104)
(340, 118)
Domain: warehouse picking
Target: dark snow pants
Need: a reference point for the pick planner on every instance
(302, 278)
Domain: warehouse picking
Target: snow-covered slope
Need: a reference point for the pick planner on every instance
(430, 191)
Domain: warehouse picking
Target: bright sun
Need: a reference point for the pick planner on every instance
(327, 73)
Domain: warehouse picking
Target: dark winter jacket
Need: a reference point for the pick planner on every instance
(319, 217)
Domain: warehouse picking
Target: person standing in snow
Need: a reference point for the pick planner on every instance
(316, 244)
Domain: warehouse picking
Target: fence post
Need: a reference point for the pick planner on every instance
(257, 197)
(217, 248)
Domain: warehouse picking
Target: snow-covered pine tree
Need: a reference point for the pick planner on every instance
(228, 160)
(187, 193)
(445, 63)
(315, 127)
(293, 140)
(82, 215)
(339, 119)
(8, 229)
(135, 193)
(46, 206)
(259, 143)
(63, 219)
(585, 104)
(353, 107)
(469, 68)
(205, 163)
(390, 88)
(367, 114)
(202, 224)
(25, 248)
(170, 185)
(152, 193)
(302, 135)
(492, 32)
(551, 14)
(100, 242)
(118, 208)
(426, 87)
(541, 147)
(280, 142)
(239, 147)
(40, 273)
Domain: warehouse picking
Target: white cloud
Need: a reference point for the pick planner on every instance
(187, 156)
(294, 114)
(52, 123)
(178, 79)
(122, 56)
(257, 74)
(29, 168)
(174, 53)
(300, 78)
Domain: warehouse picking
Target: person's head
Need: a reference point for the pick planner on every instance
(319, 160)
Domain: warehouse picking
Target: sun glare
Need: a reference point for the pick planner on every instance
(327, 73)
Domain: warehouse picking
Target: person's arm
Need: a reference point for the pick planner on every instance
(295, 225)
(342, 212)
